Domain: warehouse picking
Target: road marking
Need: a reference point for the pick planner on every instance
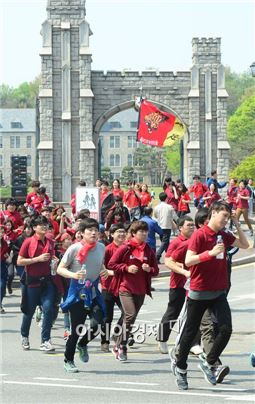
(241, 297)
(140, 384)
(163, 392)
(55, 379)
(240, 398)
(3, 374)
(243, 265)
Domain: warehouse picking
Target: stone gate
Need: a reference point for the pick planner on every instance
(76, 101)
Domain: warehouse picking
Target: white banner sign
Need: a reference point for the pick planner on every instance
(88, 198)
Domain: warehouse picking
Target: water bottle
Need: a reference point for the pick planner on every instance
(220, 256)
(53, 270)
(83, 269)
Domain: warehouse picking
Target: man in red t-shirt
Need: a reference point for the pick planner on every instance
(35, 255)
(242, 204)
(178, 278)
(206, 258)
(198, 189)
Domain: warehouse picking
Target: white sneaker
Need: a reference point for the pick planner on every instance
(196, 350)
(47, 346)
(163, 347)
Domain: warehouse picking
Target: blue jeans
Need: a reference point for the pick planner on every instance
(39, 297)
(3, 280)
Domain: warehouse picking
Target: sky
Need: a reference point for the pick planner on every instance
(131, 34)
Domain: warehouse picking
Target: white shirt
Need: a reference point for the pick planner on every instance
(165, 214)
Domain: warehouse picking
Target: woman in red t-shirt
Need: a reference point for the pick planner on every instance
(183, 204)
(242, 204)
(211, 196)
(116, 189)
(172, 196)
(145, 196)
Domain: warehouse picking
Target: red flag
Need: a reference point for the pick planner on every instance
(158, 128)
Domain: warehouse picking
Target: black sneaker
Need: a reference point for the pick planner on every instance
(181, 379)
(220, 372)
(122, 354)
(208, 372)
(130, 341)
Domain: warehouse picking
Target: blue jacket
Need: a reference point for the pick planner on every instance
(78, 292)
(216, 183)
(153, 229)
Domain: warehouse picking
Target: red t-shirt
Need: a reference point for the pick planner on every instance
(176, 280)
(131, 199)
(103, 195)
(109, 251)
(4, 249)
(171, 200)
(232, 193)
(198, 190)
(179, 255)
(214, 196)
(242, 203)
(145, 198)
(14, 217)
(30, 197)
(210, 275)
(37, 269)
(182, 206)
(118, 192)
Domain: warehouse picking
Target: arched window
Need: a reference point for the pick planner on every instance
(111, 160)
(29, 161)
(130, 160)
(117, 160)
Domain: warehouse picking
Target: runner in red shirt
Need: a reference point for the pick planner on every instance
(116, 190)
(198, 189)
(134, 264)
(184, 201)
(36, 254)
(242, 204)
(11, 213)
(145, 197)
(208, 283)
(211, 196)
(33, 194)
(178, 279)
(132, 201)
(118, 234)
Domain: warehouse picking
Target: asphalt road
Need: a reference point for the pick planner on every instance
(35, 377)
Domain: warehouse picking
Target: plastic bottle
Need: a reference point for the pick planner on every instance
(83, 269)
(53, 267)
(220, 256)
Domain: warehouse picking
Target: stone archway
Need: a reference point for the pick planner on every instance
(75, 100)
(123, 107)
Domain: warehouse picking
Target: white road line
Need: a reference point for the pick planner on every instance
(55, 379)
(3, 374)
(140, 384)
(85, 387)
(241, 398)
(242, 297)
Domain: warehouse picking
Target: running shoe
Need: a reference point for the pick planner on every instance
(2, 311)
(253, 359)
(105, 347)
(181, 379)
(208, 372)
(70, 367)
(163, 347)
(25, 343)
(220, 372)
(122, 354)
(66, 335)
(83, 353)
(47, 346)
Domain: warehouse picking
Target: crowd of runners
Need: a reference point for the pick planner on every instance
(85, 267)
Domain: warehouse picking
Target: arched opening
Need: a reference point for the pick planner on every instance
(115, 139)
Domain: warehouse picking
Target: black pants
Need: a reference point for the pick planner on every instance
(195, 311)
(110, 300)
(78, 317)
(164, 243)
(175, 303)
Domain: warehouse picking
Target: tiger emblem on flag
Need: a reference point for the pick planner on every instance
(153, 120)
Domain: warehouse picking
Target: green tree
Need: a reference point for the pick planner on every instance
(238, 87)
(127, 174)
(173, 159)
(106, 173)
(150, 161)
(23, 96)
(246, 169)
(241, 131)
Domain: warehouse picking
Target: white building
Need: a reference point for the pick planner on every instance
(17, 137)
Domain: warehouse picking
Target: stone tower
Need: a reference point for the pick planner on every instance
(66, 150)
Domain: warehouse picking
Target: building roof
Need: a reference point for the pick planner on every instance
(121, 122)
(17, 120)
